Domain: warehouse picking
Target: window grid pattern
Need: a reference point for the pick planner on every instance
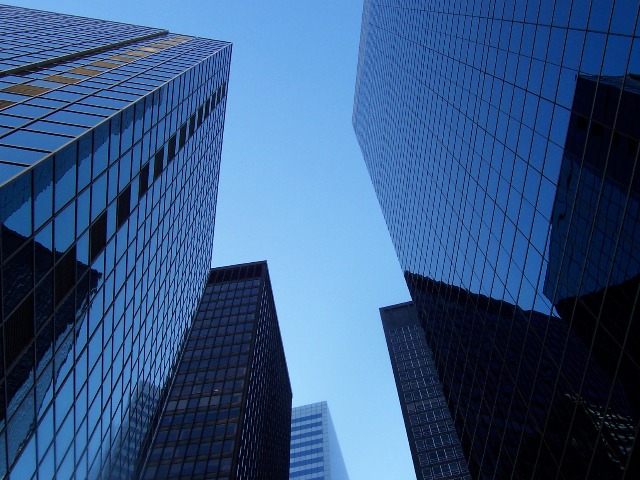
(309, 442)
(433, 441)
(104, 255)
(33, 36)
(502, 141)
(217, 399)
(43, 109)
(315, 452)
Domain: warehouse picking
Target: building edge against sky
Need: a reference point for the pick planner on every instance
(433, 441)
(501, 143)
(228, 412)
(110, 143)
(315, 451)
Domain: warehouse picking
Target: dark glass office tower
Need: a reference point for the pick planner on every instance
(502, 142)
(110, 141)
(433, 441)
(228, 412)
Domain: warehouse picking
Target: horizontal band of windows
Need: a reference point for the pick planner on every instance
(306, 463)
(306, 472)
(311, 451)
(309, 425)
(308, 417)
(306, 435)
(318, 441)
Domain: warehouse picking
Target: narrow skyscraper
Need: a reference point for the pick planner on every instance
(433, 441)
(228, 411)
(502, 140)
(110, 142)
(315, 451)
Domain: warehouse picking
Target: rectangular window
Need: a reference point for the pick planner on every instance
(18, 330)
(157, 166)
(124, 205)
(171, 149)
(192, 125)
(183, 135)
(143, 180)
(65, 274)
(97, 236)
(200, 116)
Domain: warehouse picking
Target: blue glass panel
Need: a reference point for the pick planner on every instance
(65, 176)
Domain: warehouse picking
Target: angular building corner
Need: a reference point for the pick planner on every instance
(110, 144)
(434, 444)
(502, 142)
(228, 410)
(315, 451)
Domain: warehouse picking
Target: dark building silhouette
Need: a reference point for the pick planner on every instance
(593, 277)
(110, 143)
(502, 142)
(228, 412)
(433, 440)
(514, 379)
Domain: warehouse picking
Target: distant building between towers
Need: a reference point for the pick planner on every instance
(433, 441)
(228, 410)
(315, 451)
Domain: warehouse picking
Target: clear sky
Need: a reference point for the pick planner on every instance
(294, 190)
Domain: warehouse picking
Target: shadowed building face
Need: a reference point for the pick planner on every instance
(228, 411)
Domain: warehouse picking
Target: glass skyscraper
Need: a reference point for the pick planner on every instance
(315, 451)
(228, 411)
(110, 142)
(502, 141)
(433, 441)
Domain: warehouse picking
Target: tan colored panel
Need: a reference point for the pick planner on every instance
(160, 45)
(136, 53)
(88, 72)
(5, 103)
(29, 90)
(102, 64)
(150, 49)
(61, 79)
(121, 58)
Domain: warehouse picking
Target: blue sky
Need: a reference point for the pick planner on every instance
(295, 191)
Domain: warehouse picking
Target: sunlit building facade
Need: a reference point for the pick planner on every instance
(502, 141)
(434, 444)
(110, 142)
(315, 451)
(228, 411)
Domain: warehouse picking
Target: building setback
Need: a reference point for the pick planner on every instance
(228, 410)
(315, 451)
(502, 141)
(110, 142)
(433, 441)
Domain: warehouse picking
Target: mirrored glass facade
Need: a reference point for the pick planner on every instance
(110, 142)
(434, 444)
(315, 451)
(502, 141)
(228, 411)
